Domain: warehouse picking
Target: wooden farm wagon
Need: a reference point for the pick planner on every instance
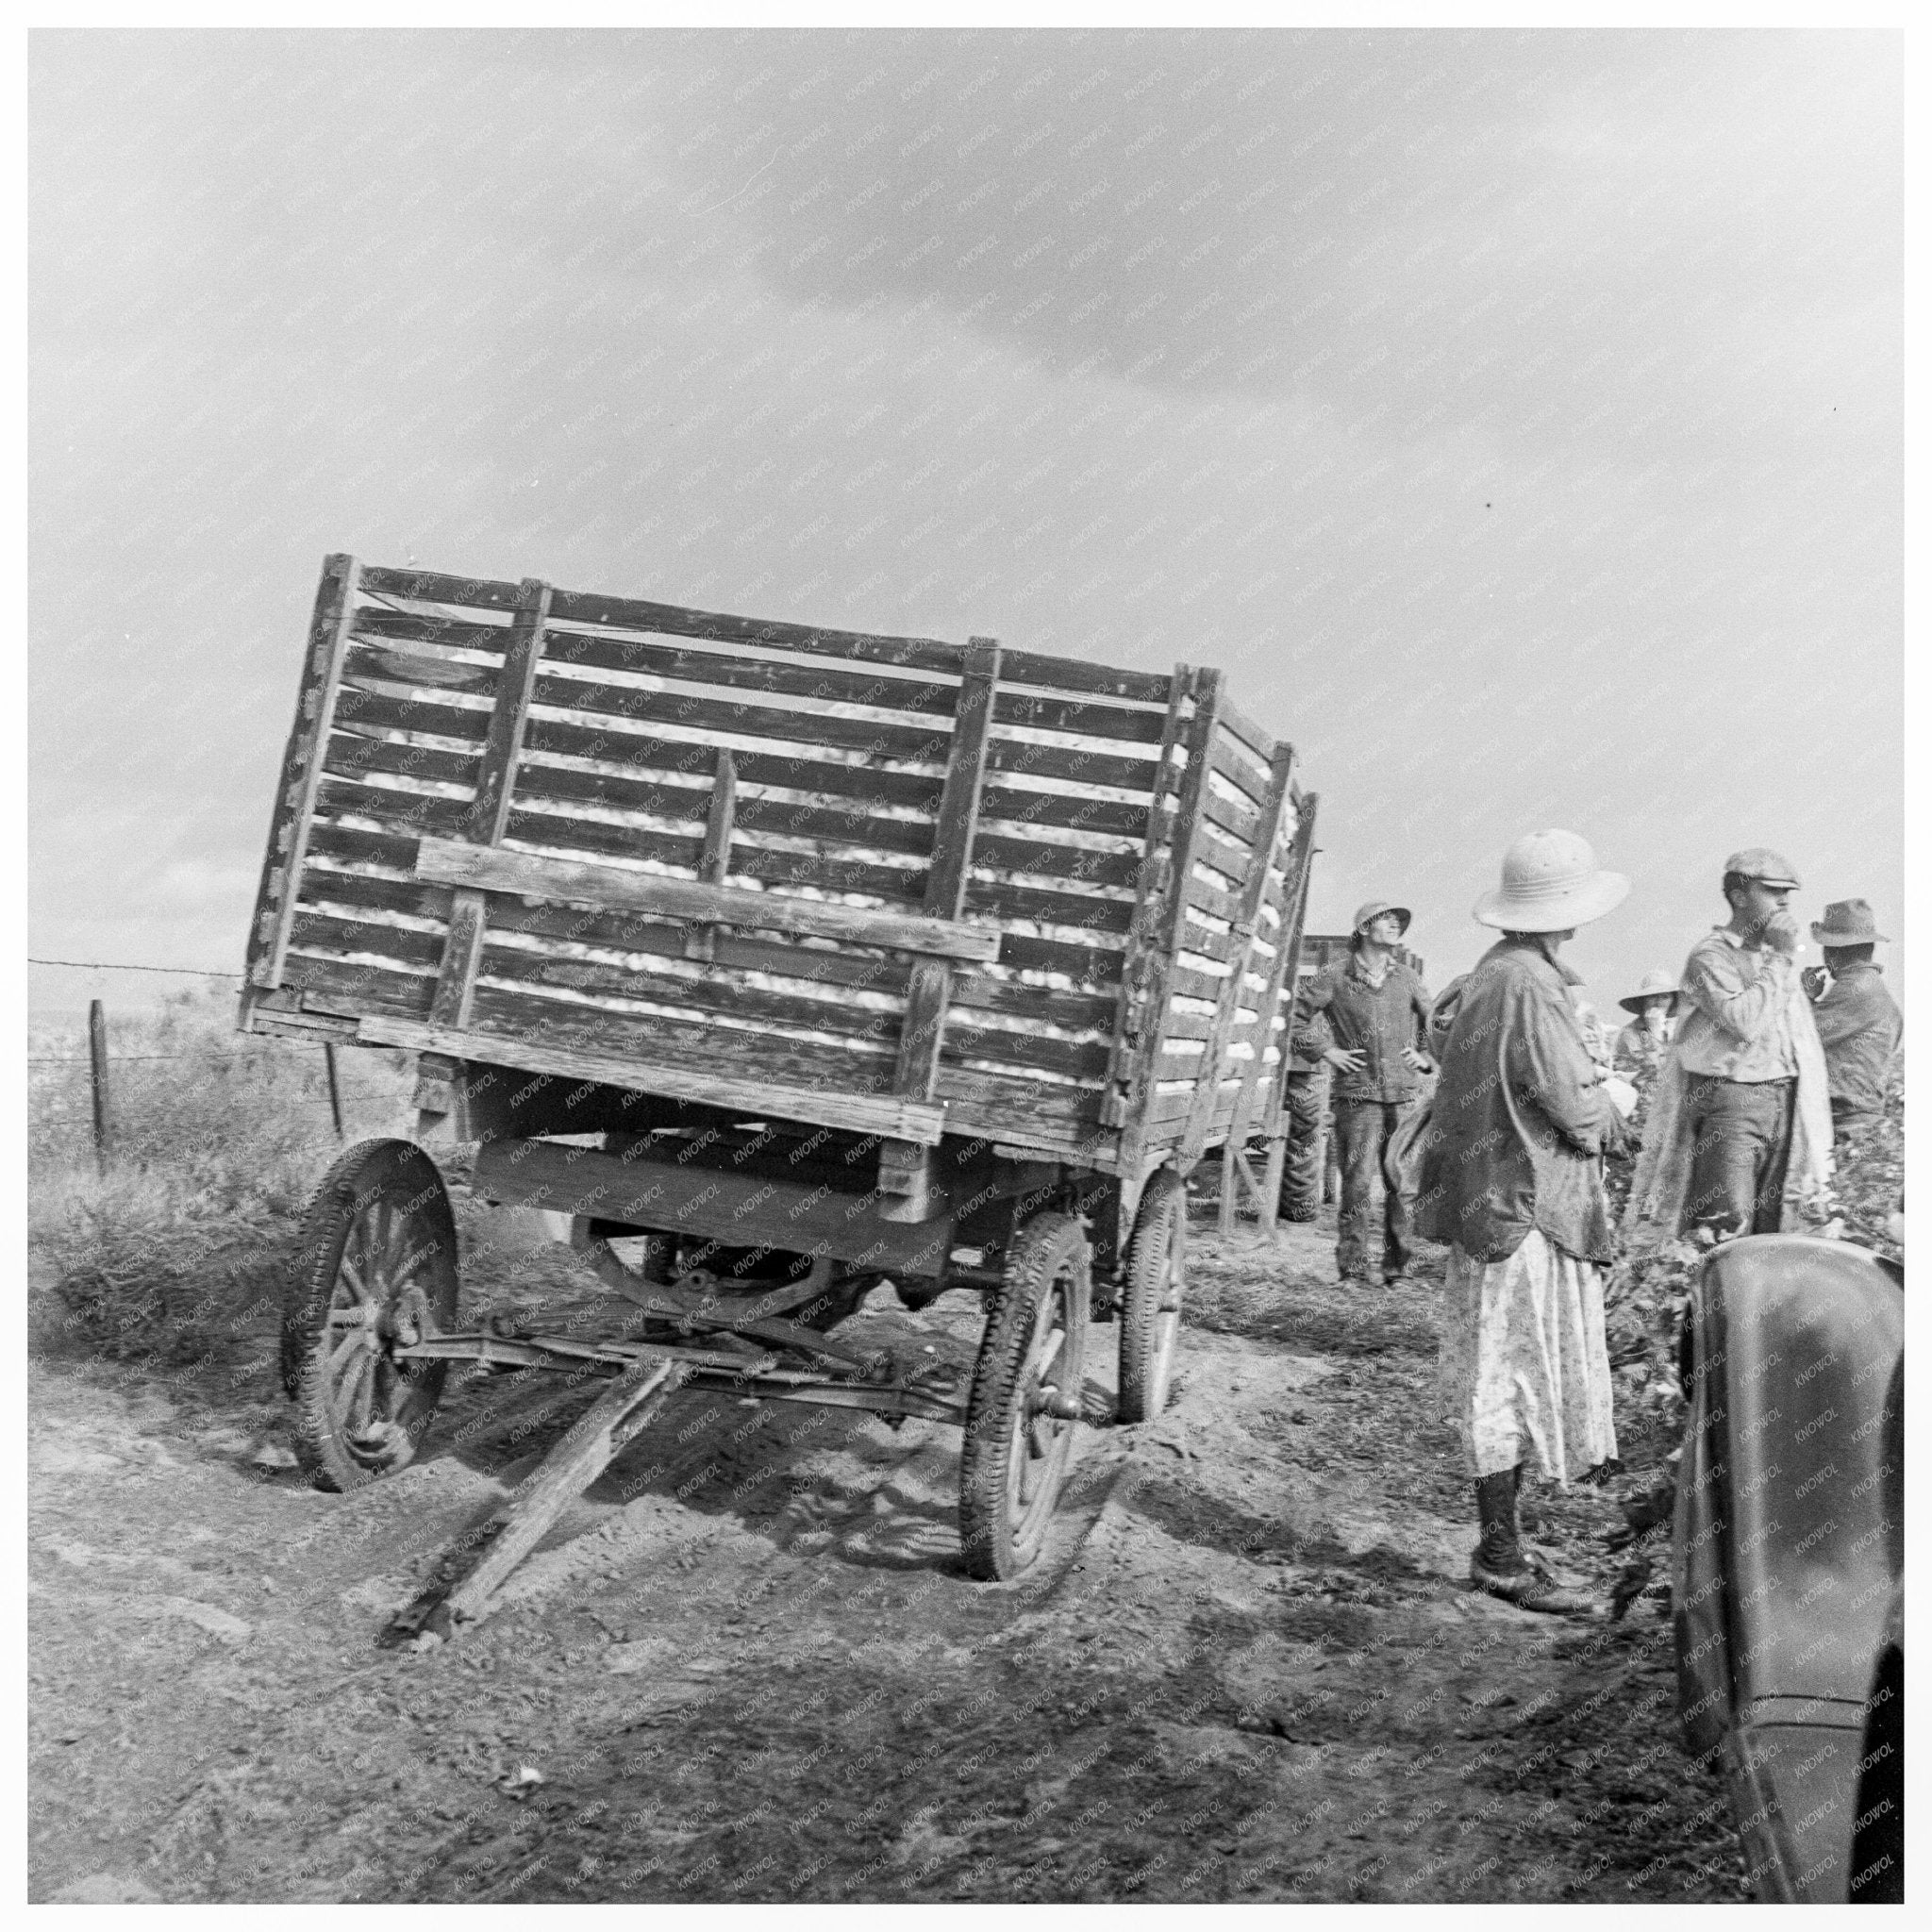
(784, 962)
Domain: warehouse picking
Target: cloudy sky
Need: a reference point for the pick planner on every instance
(1514, 415)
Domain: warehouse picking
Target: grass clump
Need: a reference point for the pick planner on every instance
(217, 1141)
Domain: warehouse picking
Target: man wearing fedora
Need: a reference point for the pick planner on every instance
(1366, 1015)
(1858, 1023)
(1512, 1179)
(1642, 1045)
(1748, 1058)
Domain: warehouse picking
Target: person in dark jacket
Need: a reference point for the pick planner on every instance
(1366, 1015)
(1859, 1024)
(1511, 1178)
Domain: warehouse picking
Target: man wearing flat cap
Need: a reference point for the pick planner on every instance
(1743, 1125)
(1366, 1015)
(1858, 1023)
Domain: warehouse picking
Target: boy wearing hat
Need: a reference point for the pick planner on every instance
(1367, 1016)
(1858, 1023)
(1641, 1044)
(1512, 1179)
(1738, 1118)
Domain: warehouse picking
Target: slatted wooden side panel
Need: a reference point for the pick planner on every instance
(1246, 824)
(837, 745)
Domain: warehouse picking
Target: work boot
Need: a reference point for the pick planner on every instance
(1498, 1564)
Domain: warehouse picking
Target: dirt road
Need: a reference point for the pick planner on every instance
(747, 1666)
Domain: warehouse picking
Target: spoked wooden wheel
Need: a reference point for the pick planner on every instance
(1026, 1398)
(1151, 1306)
(378, 1270)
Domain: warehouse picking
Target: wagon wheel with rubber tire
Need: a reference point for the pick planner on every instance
(378, 1270)
(1026, 1398)
(1151, 1301)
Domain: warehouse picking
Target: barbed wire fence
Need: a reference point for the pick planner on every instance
(95, 1058)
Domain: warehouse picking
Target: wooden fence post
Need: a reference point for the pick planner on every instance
(97, 1056)
(335, 1092)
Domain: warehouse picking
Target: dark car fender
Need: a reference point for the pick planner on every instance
(1785, 1545)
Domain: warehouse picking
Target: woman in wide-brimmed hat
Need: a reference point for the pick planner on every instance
(1512, 1179)
(1643, 1044)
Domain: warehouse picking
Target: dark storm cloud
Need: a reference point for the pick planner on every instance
(1483, 225)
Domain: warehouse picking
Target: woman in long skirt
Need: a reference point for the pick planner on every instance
(1512, 1179)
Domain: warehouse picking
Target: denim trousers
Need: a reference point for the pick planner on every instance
(1363, 1129)
(1740, 1147)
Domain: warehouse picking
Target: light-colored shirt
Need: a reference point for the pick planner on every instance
(1737, 1025)
(1640, 1051)
(1861, 1027)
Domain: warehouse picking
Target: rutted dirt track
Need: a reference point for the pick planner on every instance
(745, 1666)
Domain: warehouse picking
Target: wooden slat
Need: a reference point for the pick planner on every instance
(448, 862)
(486, 817)
(1187, 1025)
(420, 627)
(1243, 822)
(1096, 965)
(1233, 718)
(1151, 886)
(1087, 720)
(331, 932)
(1076, 675)
(1113, 816)
(1019, 667)
(1065, 761)
(420, 815)
(1049, 860)
(958, 810)
(928, 996)
(1165, 933)
(355, 758)
(727, 996)
(1288, 964)
(302, 769)
(887, 1114)
(847, 1061)
(348, 845)
(1201, 897)
(1280, 976)
(672, 712)
(998, 900)
(996, 1107)
(1195, 1136)
(829, 873)
(502, 743)
(819, 679)
(1239, 773)
(430, 587)
(1191, 984)
(631, 613)
(357, 988)
(634, 934)
(1083, 1059)
(715, 861)
(723, 994)
(377, 711)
